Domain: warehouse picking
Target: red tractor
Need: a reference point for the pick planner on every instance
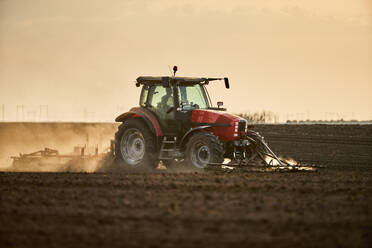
(176, 122)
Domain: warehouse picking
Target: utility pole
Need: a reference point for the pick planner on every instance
(44, 109)
(20, 109)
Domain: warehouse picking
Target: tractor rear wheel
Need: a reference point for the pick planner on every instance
(203, 148)
(135, 146)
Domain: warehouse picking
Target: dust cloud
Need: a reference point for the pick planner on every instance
(25, 138)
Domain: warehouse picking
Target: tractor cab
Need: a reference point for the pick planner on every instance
(172, 100)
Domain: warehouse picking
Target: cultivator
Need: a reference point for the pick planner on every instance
(252, 152)
(51, 160)
(253, 145)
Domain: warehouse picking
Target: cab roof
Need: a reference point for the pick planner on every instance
(160, 80)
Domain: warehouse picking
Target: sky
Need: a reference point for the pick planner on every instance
(300, 59)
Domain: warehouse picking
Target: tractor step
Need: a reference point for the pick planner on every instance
(168, 142)
(167, 147)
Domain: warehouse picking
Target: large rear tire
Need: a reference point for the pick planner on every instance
(135, 146)
(201, 149)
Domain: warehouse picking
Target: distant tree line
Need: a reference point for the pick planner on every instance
(260, 117)
(271, 117)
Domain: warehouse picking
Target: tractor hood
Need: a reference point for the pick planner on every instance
(226, 126)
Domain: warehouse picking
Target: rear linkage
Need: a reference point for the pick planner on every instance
(262, 149)
(254, 145)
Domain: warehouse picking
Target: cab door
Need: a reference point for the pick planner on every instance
(161, 102)
(188, 98)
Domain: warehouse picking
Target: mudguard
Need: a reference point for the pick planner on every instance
(191, 132)
(149, 118)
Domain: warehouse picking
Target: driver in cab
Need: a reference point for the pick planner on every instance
(165, 106)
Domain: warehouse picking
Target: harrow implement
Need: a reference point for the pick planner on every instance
(256, 153)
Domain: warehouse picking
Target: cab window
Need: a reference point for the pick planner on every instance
(161, 99)
(192, 96)
(144, 94)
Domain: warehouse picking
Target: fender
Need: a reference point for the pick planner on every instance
(190, 132)
(149, 118)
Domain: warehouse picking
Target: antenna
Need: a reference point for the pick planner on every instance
(170, 70)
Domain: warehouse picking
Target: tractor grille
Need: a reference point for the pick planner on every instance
(241, 127)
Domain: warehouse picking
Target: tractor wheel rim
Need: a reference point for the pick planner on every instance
(201, 156)
(132, 146)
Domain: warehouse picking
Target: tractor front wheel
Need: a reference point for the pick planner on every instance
(202, 149)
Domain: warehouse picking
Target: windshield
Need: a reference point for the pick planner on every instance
(192, 97)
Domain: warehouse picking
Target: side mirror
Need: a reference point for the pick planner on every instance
(165, 81)
(219, 104)
(227, 85)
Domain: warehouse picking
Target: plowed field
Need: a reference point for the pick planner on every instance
(326, 208)
(330, 207)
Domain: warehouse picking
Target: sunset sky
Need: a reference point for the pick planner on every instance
(300, 59)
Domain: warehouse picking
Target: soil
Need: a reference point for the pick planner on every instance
(330, 207)
(331, 145)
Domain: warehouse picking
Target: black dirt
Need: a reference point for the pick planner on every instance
(326, 208)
